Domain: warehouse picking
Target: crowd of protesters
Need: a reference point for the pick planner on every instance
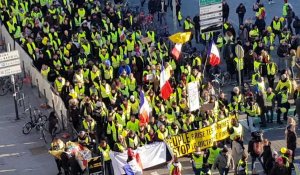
(99, 57)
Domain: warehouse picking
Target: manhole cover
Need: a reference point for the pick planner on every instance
(38, 150)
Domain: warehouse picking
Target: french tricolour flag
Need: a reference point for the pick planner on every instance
(122, 36)
(165, 87)
(214, 55)
(176, 51)
(145, 109)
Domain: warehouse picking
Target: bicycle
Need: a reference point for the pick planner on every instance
(6, 84)
(220, 80)
(37, 121)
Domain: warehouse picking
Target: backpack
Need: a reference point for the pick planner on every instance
(258, 148)
(176, 171)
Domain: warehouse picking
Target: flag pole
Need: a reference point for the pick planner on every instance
(207, 55)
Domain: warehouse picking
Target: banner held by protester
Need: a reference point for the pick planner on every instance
(186, 143)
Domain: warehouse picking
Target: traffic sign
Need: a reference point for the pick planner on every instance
(211, 15)
(210, 28)
(10, 63)
(9, 55)
(210, 9)
(209, 2)
(211, 21)
(239, 51)
(10, 70)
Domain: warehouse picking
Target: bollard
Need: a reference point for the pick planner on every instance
(23, 64)
(23, 101)
(62, 120)
(30, 79)
(53, 107)
(14, 45)
(37, 83)
(45, 96)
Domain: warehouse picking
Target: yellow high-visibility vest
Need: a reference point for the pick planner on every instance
(198, 161)
(105, 152)
(59, 85)
(271, 68)
(130, 45)
(89, 126)
(239, 63)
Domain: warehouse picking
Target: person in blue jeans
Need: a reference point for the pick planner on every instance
(224, 162)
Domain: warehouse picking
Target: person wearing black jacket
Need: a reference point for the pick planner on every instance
(268, 156)
(196, 21)
(291, 140)
(290, 16)
(296, 25)
(225, 11)
(241, 10)
(254, 150)
(282, 51)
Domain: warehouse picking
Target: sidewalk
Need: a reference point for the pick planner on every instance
(22, 154)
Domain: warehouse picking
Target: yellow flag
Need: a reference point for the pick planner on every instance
(180, 37)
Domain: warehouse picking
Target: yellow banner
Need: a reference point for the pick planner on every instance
(186, 143)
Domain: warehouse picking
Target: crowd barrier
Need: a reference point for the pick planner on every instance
(44, 87)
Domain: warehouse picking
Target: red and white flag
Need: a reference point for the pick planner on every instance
(165, 87)
(176, 51)
(145, 109)
(214, 56)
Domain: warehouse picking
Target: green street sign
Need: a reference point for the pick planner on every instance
(209, 2)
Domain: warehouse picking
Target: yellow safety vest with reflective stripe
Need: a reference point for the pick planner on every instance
(213, 154)
(89, 126)
(95, 75)
(105, 152)
(198, 161)
(134, 126)
(187, 25)
(131, 84)
(130, 45)
(239, 63)
(17, 34)
(86, 48)
(11, 27)
(271, 69)
(108, 73)
(151, 35)
(77, 21)
(269, 99)
(114, 37)
(80, 91)
(115, 61)
(105, 91)
(284, 97)
(59, 84)
(111, 129)
(81, 12)
(132, 143)
(162, 136)
(276, 25)
(45, 72)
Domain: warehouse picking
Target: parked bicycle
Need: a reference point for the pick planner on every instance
(7, 86)
(37, 121)
(220, 80)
